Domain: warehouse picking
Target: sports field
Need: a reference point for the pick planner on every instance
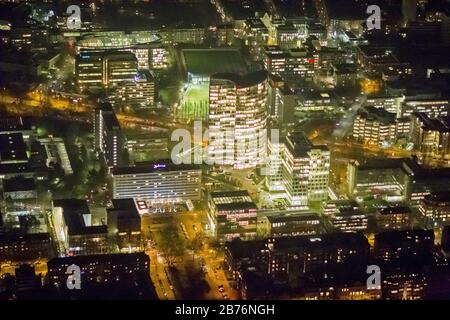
(195, 101)
(210, 61)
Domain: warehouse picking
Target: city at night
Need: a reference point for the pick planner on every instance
(223, 157)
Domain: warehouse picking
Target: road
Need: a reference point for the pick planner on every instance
(189, 225)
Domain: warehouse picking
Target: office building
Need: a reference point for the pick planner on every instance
(124, 223)
(299, 169)
(312, 101)
(139, 93)
(435, 208)
(238, 119)
(160, 181)
(72, 220)
(293, 64)
(99, 68)
(292, 224)
(394, 218)
(377, 126)
(349, 221)
(431, 137)
(232, 214)
(385, 178)
(108, 138)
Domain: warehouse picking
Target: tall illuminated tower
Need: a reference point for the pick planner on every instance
(238, 119)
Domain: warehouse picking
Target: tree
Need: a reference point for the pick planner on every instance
(170, 243)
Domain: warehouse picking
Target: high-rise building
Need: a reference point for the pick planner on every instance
(232, 214)
(299, 169)
(238, 119)
(108, 135)
(157, 181)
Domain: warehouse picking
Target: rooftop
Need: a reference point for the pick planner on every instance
(73, 211)
(154, 166)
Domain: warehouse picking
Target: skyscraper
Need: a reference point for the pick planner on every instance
(238, 119)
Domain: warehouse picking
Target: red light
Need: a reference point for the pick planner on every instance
(312, 60)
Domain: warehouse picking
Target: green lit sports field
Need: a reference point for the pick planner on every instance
(210, 61)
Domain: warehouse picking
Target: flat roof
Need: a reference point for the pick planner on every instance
(154, 166)
(73, 211)
(15, 124)
(18, 184)
(243, 81)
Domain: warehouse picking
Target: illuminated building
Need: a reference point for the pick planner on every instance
(232, 214)
(294, 223)
(299, 169)
(404, 246)
(377, 126)
(385, 178)
(435, 207)
(344, 75)
(274, 266)
(332, 207)
(160, 181)
(434, 107)
(288, 36)
(431, 137)
(124, 222)
(238, 119)
(310, 101)
(108, 138)
(99, 68)
(390, 103)
(284, 106)
(293, 64)
(145, 45)
(72, 221)
(380, 59)
(100, 268)
(349, 221)
(404, 285)
(25, 246)
(194, 35)
(140, 92)
(395, 218)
